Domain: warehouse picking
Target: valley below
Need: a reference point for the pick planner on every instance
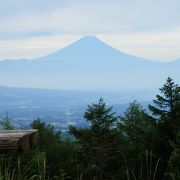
(61, 108)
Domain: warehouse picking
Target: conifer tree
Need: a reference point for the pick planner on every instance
(5, 123)
(167, 110)
(138, 130)
(99, 144)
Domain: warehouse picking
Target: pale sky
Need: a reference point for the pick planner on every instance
(145, 28)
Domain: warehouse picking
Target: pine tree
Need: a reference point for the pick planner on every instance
(167, 110)
(5, 123)
(139, 131)
(60, 154)
(166, 113)
(137, 125)
(99, 143)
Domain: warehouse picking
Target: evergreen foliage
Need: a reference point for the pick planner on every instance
(135, 146)
(5, 123)
(60, 154)
(167, 110)
(100, 143)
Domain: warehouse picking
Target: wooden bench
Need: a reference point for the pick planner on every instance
(16, 141)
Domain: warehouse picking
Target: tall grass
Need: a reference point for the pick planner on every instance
(149, 171)
(14, 170)
(35, 169)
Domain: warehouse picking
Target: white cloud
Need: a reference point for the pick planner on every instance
(33, 47)
(97, 17)
(162, 46)
(141, 27)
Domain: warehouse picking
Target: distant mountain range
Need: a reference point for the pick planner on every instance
(88, 64)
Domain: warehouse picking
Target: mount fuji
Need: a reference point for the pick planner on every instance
(88, 64)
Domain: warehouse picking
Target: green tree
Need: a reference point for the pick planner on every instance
(175, 162)
(5, 123)
(139, 131)
(166, 113)
(60, 154)
(99, 143)
(137, 125)
(166, 110)
(47, 134)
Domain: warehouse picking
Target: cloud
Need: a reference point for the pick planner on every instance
(162, 46)
(95, 17)
(141, 27)
(9, 8)
(34, 47)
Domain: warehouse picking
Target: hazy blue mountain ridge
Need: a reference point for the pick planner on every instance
(88, 64)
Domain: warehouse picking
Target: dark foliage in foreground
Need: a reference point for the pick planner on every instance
(137, 145)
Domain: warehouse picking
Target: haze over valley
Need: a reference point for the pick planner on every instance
(88, 64)
(58, 87)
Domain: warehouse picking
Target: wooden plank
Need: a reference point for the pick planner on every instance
(17, 140)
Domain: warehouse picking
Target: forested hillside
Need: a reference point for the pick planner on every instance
(138, 145)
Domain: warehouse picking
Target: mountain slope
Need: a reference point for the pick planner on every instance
(89, 64)
(88, 47)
